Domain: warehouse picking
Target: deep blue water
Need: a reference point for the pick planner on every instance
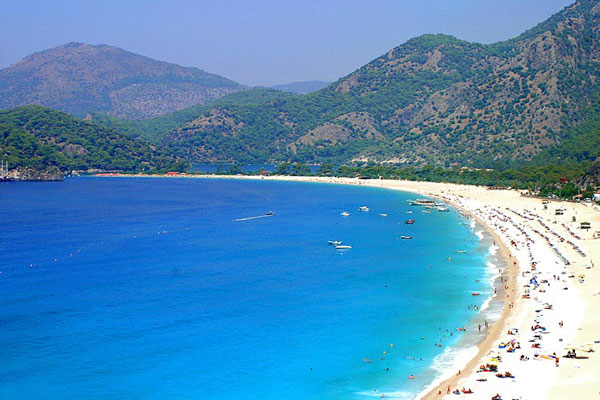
(118, 288)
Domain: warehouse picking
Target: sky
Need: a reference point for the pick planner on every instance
(260, 42)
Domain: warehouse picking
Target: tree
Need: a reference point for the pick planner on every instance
(283, 169)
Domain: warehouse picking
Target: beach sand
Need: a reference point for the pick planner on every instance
(556, 312)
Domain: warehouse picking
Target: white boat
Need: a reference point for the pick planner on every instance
(406, 237)
(383, 215)
(422, 202)
(442, 209)
(335, 242)
(363, 209)
(343, 247)
(344, 213)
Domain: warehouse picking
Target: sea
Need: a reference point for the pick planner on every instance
(168, 288)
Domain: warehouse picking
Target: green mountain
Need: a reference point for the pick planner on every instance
(81, 78)
(154, 130)
(44, 139)
(434, 99)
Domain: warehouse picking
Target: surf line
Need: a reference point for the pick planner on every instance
(269, 214)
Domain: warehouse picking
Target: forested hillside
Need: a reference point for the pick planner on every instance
(41, 138)
(434, 99)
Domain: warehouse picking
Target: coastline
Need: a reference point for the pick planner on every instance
(523, 233)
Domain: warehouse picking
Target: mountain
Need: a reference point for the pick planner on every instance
(81, 78)
(40, 138)
(434, 99)
(303, 87)
(592, 176)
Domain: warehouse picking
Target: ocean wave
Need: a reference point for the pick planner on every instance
(479, 234)
(447, 363)
(493, 250)
(388, 395)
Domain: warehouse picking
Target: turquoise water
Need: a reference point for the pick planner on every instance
(148, 289)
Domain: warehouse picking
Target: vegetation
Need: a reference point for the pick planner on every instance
(154, 130)
(435, 100)
(41, 138)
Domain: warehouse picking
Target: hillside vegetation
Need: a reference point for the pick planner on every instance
(41, 138)
(434, 99)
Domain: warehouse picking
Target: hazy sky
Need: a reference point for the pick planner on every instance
(260, 42)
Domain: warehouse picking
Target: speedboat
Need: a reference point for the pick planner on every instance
(405, 237)
(363, 209)
(383, 215)
(343, 247)
(335, 242)
(409, 221)
(344, 213)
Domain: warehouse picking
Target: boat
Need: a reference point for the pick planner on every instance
(460, 251)
(344, 213)
(422, 202)
(270, 213)
(409, 221)
(475, 293)
(406, 237)
(383, 215)
(442, 209)
(4, 173)
(335, 242)
(409, 212)
(342, 247)
(363, 209)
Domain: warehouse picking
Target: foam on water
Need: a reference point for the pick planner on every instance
(447, 363)
(399, 395)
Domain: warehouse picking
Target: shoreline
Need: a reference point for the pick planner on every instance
(494, 332)
(524, 234)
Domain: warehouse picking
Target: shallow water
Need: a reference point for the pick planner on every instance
(148, 289)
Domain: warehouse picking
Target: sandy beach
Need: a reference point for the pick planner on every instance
(546, 344)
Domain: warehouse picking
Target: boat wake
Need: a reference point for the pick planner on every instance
(256, 217)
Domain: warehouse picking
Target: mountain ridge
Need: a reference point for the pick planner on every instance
(81, 78)
(434, 99)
